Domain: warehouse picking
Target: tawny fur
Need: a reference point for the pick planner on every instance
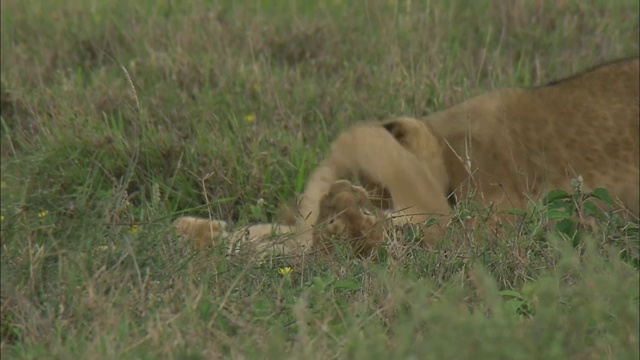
(347, 215)
(502, 148)
(505, 147)
(261, 239)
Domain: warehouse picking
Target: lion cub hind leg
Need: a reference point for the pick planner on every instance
(261, 239)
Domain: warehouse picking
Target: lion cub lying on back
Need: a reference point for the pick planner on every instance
(345, 211)
(502, 148)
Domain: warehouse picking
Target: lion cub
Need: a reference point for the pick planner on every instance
(505, 147)
(502, 148)
(345, 214)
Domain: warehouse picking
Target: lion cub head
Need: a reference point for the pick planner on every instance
(347, 214)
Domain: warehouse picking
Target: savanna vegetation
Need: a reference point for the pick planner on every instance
(118, 116)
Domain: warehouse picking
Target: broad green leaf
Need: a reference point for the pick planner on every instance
(348, 284)
(512, 306)
(603, 194)
(560, 213)
(554, 195)
(512, 293)
(567, 227)
(591, 209)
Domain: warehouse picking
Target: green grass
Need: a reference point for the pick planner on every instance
(120, 113)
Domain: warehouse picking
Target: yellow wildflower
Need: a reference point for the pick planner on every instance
(285, 270)
(133, 229)
(250, 118)
(2, 217)
(43, 213)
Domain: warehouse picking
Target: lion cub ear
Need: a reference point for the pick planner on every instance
(395, 128)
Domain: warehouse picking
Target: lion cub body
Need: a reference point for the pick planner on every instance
(525, 142)
(501, 148)
(507, 146)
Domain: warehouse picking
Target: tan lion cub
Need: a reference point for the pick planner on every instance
(501, 148)
(345, 213)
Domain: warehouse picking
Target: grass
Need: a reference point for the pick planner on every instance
(118, 116)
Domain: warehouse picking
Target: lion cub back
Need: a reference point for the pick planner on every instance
(522, 142)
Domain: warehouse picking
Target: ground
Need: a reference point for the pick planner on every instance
(120, 116)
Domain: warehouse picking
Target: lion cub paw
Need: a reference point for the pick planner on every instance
(200, 232)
